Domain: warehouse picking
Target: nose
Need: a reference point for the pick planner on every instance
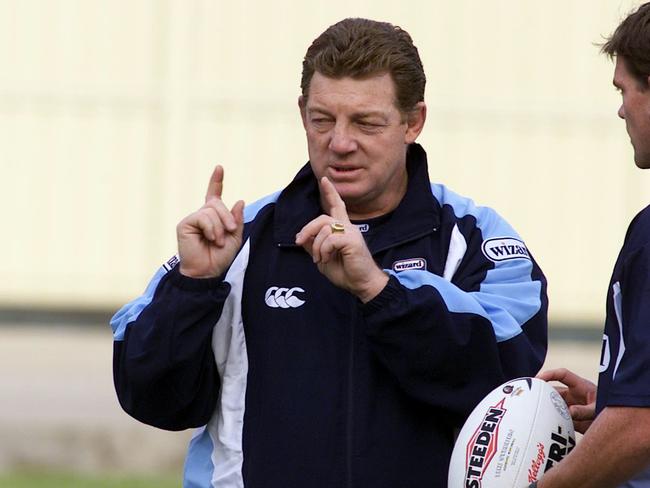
(342, 141)
(621, 112)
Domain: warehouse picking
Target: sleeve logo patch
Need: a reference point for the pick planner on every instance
(504, 248)
(409, 264)
(171, 262)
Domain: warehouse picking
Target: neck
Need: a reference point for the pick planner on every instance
(371, 206)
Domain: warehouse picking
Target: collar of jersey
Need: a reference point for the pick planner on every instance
(418, 213)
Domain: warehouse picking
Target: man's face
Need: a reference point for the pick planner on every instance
(357, 137)
(635, 110)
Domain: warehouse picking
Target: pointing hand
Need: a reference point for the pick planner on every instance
(339, 250)
(208, 239)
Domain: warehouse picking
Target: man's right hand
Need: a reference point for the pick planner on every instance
(579, 394)
(208, 239)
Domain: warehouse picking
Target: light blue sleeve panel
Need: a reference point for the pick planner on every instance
(251, 211)
(508, 295)
(506, 305)
(130, 312)
(456, 299)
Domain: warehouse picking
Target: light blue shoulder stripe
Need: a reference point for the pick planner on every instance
(487, 219)
(506, 305)
(198, 463)
(130, 312)
(251, 211)
(455, 298)
(508, 296)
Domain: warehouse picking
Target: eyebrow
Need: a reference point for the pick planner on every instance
(357, 115)
(370, 114)
(318, 109)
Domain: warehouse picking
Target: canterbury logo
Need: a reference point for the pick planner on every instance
(276, 297)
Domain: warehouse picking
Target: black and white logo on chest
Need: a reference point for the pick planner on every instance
(409, 264)
(284, 297)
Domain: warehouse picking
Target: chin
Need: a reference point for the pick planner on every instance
(643, 164)
(642, 160)
(353, 201)
(350, 199)
(349, 192)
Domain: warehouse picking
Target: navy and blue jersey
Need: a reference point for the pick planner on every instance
(625, 360)
(624, 378)
(293, 382)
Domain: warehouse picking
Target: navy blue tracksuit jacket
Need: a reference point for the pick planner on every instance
(294, 383)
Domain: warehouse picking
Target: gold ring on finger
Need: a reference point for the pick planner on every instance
(337, 228)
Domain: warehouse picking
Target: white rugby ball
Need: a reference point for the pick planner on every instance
(513, 436)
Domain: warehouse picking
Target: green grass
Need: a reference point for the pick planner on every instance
(63, 480)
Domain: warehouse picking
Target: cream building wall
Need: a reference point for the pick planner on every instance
(113, 113)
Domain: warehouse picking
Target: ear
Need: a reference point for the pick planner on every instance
(415, 122)
(302, 104)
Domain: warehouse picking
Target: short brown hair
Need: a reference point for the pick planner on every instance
(631, 40)
(360, 48)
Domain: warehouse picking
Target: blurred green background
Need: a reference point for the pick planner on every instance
(58, 480)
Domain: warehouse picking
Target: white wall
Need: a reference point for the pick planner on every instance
(113, 113)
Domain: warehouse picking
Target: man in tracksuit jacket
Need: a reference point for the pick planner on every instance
(336, 333)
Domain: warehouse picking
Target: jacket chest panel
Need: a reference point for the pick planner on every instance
(424, 254)
(286, 298)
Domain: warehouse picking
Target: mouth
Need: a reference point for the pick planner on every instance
(339, 170)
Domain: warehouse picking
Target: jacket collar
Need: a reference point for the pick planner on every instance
(418, 213)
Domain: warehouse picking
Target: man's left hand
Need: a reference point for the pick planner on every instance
(339, 250)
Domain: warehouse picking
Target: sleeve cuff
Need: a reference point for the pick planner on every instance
(386, 296)
(193, 284)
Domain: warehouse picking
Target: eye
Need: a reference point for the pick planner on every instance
(321, 124)
(320, 120)
(370, 123)
(369, 126)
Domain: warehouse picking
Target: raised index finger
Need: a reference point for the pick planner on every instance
(215, 187)
(334, 204)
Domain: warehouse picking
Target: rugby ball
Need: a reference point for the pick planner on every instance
(514, 435)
